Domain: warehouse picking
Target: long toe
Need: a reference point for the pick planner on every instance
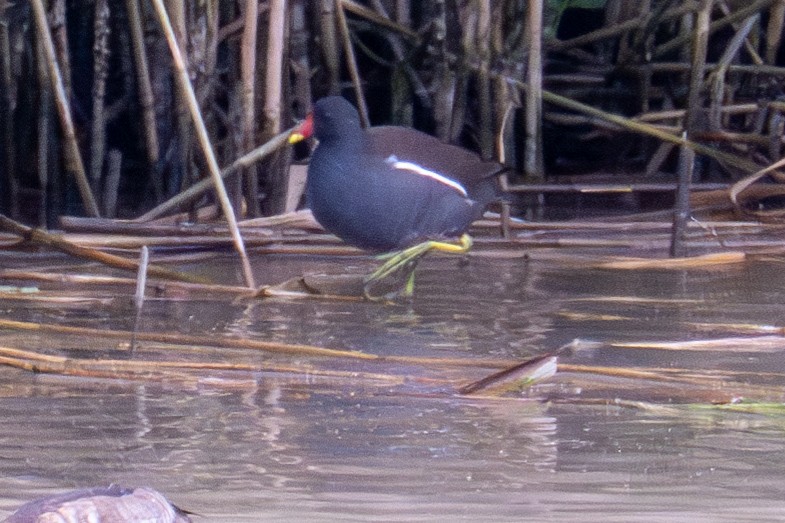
(386, 284)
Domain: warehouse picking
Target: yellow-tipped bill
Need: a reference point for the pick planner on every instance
(303, 131)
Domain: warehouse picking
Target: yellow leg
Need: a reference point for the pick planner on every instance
(407, 260)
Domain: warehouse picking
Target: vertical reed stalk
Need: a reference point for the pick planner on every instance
(403, 115)
(111, 185)
(74, 162)
(176, 10)
(717, 93)
(351, 62)
(141, 285)
(7, 164)
(700, 45)
(277, 179)
(774, 31)
(58, 22)
(201, 131)
(145, 88)
(100, 70)
(298, 50)
(482, 42)
(533, 158)
(210, 61)
(403, 12)
(44, 133)
(330, 49)
(274, 72)
(445, 84)
(681, 212)
(141, 277)
(248, 99)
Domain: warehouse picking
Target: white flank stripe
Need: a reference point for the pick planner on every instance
(417, 169)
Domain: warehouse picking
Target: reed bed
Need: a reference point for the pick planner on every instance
(170, 91)
(167, 132)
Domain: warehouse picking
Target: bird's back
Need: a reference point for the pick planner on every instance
(391, 187)
(368, 203)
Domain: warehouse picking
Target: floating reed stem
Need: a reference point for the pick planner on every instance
(255, 345)
(124, 368)
(185, 339)
(50, 240)
(214, 290)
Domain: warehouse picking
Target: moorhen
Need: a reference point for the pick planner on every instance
(388, 188)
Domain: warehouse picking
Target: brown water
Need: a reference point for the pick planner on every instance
(275, 448)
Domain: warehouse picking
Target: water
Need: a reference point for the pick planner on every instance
(285, 447)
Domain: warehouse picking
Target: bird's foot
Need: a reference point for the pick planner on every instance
(390, 289)
(405, 262)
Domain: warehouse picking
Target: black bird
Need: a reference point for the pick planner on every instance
(387, 189)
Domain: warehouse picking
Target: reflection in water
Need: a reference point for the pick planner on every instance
(246, 448)
(280, 442)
